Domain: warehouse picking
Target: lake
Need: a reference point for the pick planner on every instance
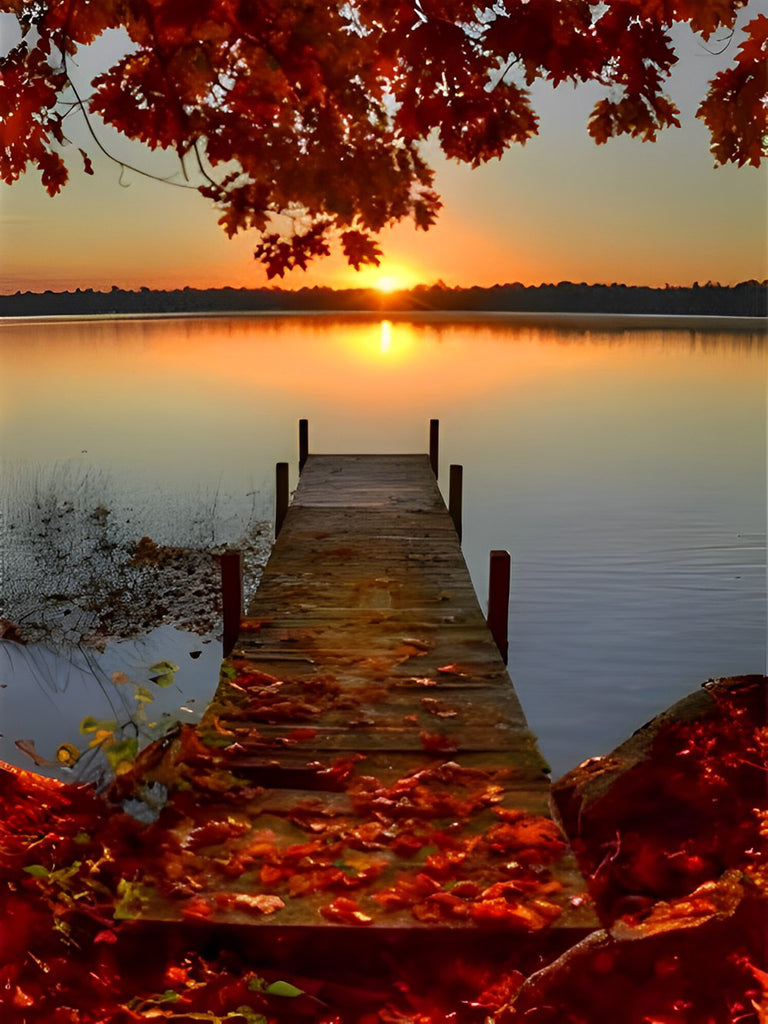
(624, 468)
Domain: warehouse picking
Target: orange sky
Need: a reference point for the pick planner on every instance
(559, 208)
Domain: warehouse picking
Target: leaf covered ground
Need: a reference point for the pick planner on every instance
(433, 900)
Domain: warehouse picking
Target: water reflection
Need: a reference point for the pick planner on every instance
(624, 469)
(50, 693)
(386, 336)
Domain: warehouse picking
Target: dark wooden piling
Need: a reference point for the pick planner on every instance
(434, 444)
(281, 495)
(455, 485)
(231, 563)
(498, 601)
(303, 442)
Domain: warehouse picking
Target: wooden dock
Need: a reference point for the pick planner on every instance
(367, 583)
(381, 771)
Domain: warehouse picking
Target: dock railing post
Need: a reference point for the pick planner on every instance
(454, 496)
(231, 563)
(281, 494)
(303, 442)
(434, 444)
(498, 601)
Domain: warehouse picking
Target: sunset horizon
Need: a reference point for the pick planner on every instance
(373, 288)
(559, 208)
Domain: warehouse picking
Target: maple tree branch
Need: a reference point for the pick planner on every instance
(716, 53)
(124, 166)
(508, 67)
(203, 171)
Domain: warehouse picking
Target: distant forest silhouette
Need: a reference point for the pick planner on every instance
(748, 299)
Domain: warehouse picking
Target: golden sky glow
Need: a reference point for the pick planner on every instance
(390, 276)
(559, 208)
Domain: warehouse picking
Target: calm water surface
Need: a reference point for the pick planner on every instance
(625, 470)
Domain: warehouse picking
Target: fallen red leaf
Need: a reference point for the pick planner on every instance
(438, 743)
(344, 910)
(197, 907)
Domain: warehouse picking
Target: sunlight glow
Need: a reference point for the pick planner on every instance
(385, 279)
(388, 345)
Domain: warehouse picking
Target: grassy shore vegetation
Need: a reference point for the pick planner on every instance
(84, 563)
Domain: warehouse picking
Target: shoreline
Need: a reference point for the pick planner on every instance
(556, 303)
(575, 320)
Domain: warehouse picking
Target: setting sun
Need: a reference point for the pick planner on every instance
(387, 278)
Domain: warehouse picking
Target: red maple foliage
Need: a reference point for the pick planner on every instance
(304, 121)
(78, 873)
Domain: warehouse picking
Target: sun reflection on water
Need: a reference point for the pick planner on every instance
(383, 343)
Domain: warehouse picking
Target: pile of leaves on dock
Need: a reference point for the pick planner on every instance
(670, 833)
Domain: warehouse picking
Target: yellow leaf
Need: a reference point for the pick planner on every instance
(101, 736)
(67, 754)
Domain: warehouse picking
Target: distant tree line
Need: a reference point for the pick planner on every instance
(748, 299)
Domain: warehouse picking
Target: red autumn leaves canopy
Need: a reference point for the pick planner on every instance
(304, 121)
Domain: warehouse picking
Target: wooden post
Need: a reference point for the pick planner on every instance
(498, 601)
(303, 442)
(434, 443)
(281, 494)
(454, 496)
(231, 598)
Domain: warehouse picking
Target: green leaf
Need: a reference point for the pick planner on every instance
(163, 673)
(215, 739)
(37, 871)
(143, 695)
(283, 988)
(70, 870)
(169, 996)
(346, 868)
(227, 671)
(61, 877)
(91, 724)
(122, 750)
(208, 1017)
(163, 666)
(62, 926)
(249, 1014)
(134, 898)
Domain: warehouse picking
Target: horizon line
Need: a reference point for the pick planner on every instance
(373, 290)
